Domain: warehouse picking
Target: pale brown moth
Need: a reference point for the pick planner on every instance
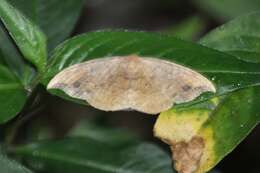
(145, 84)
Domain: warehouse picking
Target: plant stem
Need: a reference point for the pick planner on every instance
(12, 134)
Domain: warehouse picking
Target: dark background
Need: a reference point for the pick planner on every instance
(184, 18)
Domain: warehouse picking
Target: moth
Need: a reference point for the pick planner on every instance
(144, 84)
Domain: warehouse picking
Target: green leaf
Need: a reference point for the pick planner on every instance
(57, 19)
(231, 118)
(12, 58)
(234, 119)
(227, 72)
(228, 9)
(96, 155)
(239, 113)
(30, 40)
(12, 95)
(101, 134)
(10, 166)
(240, 37)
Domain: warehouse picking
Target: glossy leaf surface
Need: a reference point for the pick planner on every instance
(57, 19)
(28, 37)
(240, 37)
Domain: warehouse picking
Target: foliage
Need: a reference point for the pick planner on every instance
(30, 58)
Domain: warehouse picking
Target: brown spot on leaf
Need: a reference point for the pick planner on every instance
(187, 155)
(144, 84)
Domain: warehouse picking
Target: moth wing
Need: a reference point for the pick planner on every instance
(148, 85)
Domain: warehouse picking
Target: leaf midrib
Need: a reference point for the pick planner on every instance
(85, 163)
